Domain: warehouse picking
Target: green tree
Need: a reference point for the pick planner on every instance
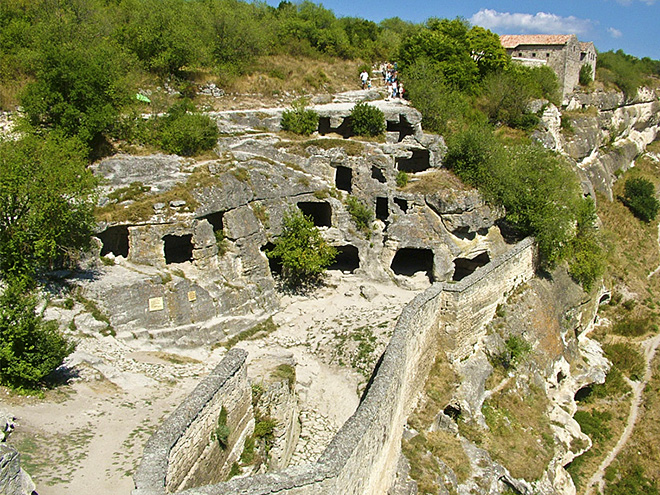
(299, 119)
(30, 348)
(186, 133)
(304, 253)
(46, 203)
(639, 196)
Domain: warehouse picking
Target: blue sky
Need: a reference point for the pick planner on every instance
(631, 25)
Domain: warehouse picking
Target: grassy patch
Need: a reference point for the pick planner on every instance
(285, 372)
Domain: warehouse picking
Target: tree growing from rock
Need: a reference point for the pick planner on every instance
(303, 252)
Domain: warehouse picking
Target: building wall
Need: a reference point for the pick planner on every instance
(362, 458)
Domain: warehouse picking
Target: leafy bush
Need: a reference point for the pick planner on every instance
(30, 348)
(361, 214)
(402, 178)
(515, 349)
(187, 134)
(367, 120)
(222, 430)
(594, 424)
(300, 120)
(630, 481)
(627, 359)
(639, 197)
(585, 75)
(304, 253)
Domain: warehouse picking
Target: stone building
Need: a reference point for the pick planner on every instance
(563, 53)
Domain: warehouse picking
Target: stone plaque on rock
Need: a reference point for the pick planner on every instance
(192, 296)
(156, 304)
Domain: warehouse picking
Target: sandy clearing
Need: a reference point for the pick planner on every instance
(88, 436)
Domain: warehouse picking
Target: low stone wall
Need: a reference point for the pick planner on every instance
(184, 451)
(362, 457)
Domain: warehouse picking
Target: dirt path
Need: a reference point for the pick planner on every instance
(597, 481)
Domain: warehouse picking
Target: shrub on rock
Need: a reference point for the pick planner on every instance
(367, 120)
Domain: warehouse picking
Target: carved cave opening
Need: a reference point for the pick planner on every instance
(344, 129)
(347, 259)
(403, 127)
(382, 209)
(115, 241)
(466, 266)
(377, 173)
(320, 212)
(418, 162)
(401, 203)
(274, 264)
(178, 248)
(409, 261)
(344, 178)
(216, 220)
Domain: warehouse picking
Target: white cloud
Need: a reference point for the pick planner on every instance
(628, 2)
(539, 23)
(614, 33)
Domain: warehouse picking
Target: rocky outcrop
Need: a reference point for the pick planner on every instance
(602, 133)
(13, 479)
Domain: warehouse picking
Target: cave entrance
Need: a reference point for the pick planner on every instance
(377, 173)
(178, 248)
(382, 209)
(216, 220)
(418, 162)
(409, 261)
(403, 127)
(344, 178)
(347, 259)
(401, 203)
(466, 266)
(115, 241)
(274, 264)
(321, 212)
(344, 129)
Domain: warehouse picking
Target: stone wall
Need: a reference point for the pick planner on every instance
(363, 456)
(185, 452)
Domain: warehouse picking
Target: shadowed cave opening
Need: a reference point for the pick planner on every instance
(402, 127)
(408, 261)
(344, 129)
(274, 264)
(377, 173)
(216, 220)
(382, 209)
(178, 248)
(115, 241)
(344, 178)
(347, 259)
(466, 266)
(401, 203)
(418, 162)
(321, 212)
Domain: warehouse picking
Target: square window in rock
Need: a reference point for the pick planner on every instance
(408, 261)
(178, 248)
(347, 259)
(319, 211)
(115, 241)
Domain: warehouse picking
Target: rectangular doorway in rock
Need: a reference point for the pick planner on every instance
(347, 259)
(115, 241)
(466, 266)
(274, 264)
(178, 248)
(382, 209)
(409, 261)
(344, 178)
(418, 162)
(319, 211)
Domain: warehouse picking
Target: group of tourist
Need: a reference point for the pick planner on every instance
(390, 80)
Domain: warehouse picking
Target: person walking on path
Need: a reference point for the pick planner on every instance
(364, 77)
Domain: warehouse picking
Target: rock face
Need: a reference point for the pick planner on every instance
(604, 133)
(13, 479)
(189, 254)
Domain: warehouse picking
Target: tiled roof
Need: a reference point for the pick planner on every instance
(586, 45)
(515, 40)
